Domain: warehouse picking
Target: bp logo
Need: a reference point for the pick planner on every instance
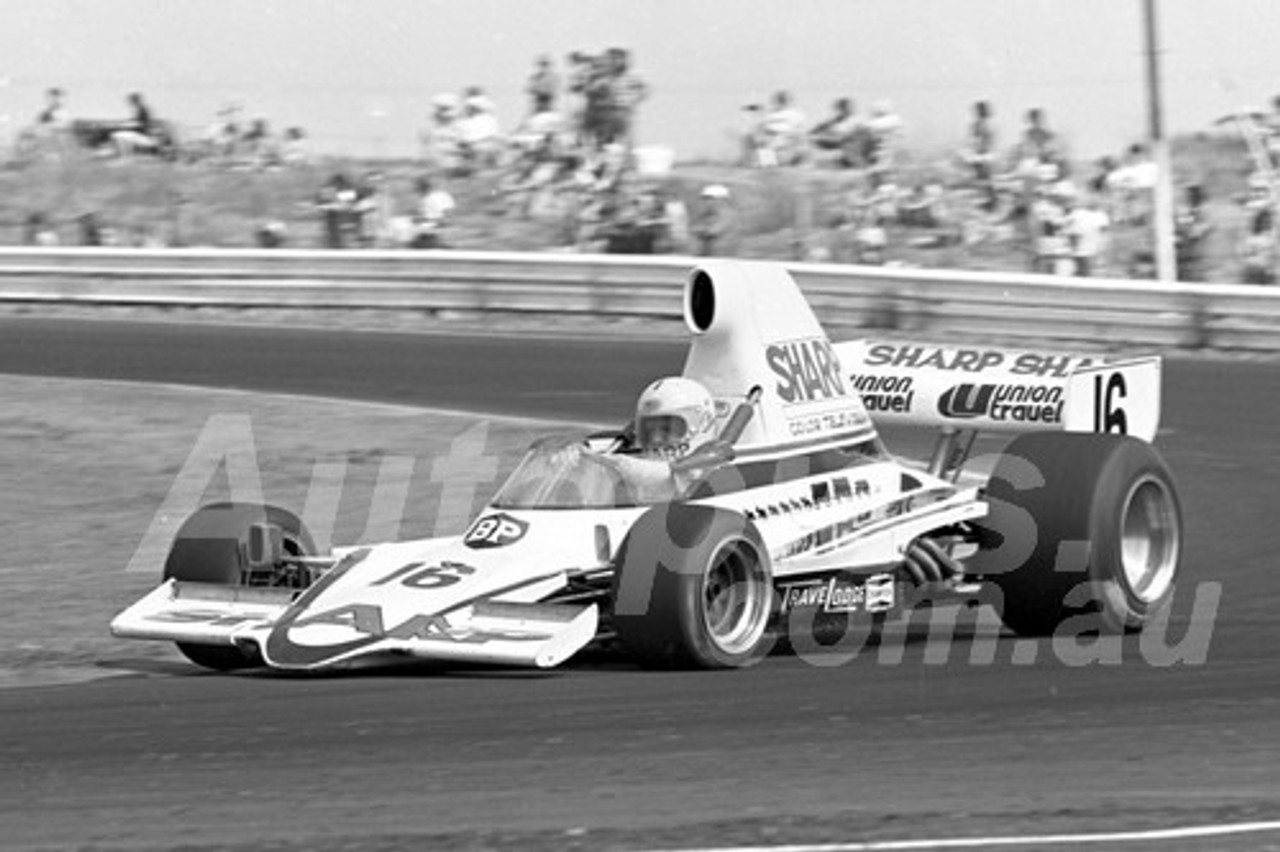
(495, 531)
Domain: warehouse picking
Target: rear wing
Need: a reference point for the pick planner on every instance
(1003, 389)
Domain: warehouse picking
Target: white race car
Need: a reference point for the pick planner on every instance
(792, 509)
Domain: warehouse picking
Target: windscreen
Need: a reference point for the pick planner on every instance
(553, 476)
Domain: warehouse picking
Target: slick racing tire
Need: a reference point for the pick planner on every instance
(693, 588)
(1080, 525)
(212, 547)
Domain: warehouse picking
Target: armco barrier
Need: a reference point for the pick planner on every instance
(1030, 309)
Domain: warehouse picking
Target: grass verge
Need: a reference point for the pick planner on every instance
(88, 466)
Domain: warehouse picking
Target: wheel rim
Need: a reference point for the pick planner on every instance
(1151, 539)
(735, 598)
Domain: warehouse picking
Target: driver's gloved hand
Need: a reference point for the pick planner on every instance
(562, 450)
(711, 454)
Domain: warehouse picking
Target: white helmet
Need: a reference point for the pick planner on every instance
(673, 416)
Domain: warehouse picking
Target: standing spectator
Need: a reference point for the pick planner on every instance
(140, 132)
(617, 94)
(1038, 142)
(980, 154)
(55, 115)
(656, 219)
(1191, 228)
(1086, 229)
(596, 95)
(543, 87)
(38, 232)
(293, 147)
(540, 139)
(1100, 177)
(479, 136)
(336, 202)
(259, 145)
(1258, 249)
(713, 220)
(778, 139)
(871, 243)
(676, 217)
(441, 141)
(581, 71)
(51, 132)
(1132, 186)
(883, 139)
(435, 208)
(982, 140)
(1049, 230)
(626, 227)
(840, 132)
(372, 212)
(1260, 192)
(222, 137)
(90, 229)
(270, 234)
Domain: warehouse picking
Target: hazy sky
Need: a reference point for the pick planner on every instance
(359, 73)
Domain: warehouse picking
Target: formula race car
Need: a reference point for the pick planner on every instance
(781, 504)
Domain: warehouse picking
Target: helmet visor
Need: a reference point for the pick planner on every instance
(662, 430)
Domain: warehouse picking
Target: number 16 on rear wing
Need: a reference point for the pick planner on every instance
(1121, 397)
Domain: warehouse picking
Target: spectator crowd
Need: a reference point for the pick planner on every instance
(572, 158)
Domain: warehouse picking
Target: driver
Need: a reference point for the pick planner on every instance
(673, 416)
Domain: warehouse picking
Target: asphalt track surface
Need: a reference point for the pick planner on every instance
(892, 744)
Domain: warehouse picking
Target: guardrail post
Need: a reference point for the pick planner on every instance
(917, 310)
(1199, 320)
(886, 312)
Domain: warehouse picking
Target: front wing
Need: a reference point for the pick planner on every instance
(487, 632)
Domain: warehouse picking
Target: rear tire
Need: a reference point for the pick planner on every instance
(693, 588)
(1078, 524)
(212, 547)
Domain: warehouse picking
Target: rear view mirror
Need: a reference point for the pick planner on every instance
(266, 545)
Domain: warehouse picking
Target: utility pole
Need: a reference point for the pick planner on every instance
(1166, 259)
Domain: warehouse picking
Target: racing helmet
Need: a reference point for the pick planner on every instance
(674, 415)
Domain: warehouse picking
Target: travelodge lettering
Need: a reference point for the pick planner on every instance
(807, 370)
(839, 594)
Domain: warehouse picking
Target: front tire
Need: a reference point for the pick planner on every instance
(1080, 523)
(693, 588)
(212, 546)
